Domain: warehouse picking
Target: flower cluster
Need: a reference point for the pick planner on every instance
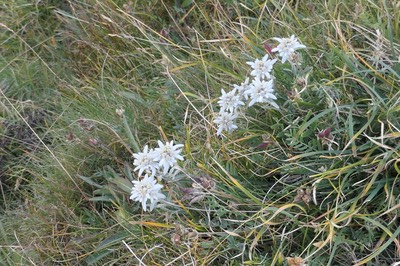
(154, 163)
(258, 90)
(147, 189)
(157, 161)
(287, 47)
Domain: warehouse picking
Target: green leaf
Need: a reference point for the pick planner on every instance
(90, 181)
(112, 240)
(97, 256)
(131, 138)
(108, 198)
(379, 186)
(134, 96)
(122, 183)
(186, 3)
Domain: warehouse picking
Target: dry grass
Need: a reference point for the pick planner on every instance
(278, 191)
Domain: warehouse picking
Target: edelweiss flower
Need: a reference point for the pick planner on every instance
(225, 121)
(242, 88)
(262, 68)
(287, 46)
(229, 101)
(147, 189)
(144, 162)
(261, 91)
(171, 174)
(167, 154)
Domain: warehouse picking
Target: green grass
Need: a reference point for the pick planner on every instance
(66, 155)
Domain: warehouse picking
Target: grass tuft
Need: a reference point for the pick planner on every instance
(87, 84)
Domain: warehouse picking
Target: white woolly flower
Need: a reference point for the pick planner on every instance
(229, 101)
(262, 68)
(242, 88)
(167, 154)
(261, 91)
(287, 46)
(172, 173)
(226, 122)
(147, 189)
(144, 162)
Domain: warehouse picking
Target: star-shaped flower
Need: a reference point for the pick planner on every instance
(144, 162)
(226, 122)
(242, 87)
(167, 154)
(287, 46)
(147, 189)
(262, 68)
(229, 101)
(261, 91)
